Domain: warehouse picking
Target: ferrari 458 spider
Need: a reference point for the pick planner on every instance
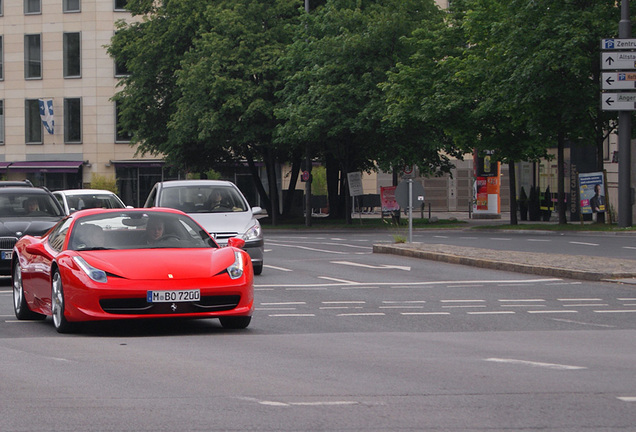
(129, 264)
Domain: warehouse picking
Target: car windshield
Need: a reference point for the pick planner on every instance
(28, 205)
(203, 199)
(80, 202)
(137, 230)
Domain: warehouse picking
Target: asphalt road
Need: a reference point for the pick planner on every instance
(342, 340)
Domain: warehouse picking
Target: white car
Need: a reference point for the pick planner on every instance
(73, 200)
(219, 206)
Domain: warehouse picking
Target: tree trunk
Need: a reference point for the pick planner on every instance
(561, 179)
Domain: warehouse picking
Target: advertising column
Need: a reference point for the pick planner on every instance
(486, 191)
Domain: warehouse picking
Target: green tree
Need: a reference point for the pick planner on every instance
(341, 53)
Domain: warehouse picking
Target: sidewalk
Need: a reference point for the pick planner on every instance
(542, 264)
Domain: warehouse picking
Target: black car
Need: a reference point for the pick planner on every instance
(24, 210)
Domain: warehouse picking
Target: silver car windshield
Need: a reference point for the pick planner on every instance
(203, 199)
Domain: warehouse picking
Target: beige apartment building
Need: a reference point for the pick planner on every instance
(52, 53)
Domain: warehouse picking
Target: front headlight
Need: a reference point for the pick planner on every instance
(94, 273)
(236, 269)
(253, 233)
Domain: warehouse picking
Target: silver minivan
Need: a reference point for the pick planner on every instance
(220, 208)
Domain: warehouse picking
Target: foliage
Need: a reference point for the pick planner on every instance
(104, 182)
(318, 181)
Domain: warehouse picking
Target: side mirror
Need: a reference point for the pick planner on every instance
(36, 249)
(236, 242)
(257, 210)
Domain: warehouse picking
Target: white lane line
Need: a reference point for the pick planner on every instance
(500, 238)
(363, 314)
(538, 240)
(425, 313)
(310, 249)
(379, 267)
(462, 286)
(586, 305)
(284, 303)
(349, 245)
(629, 247)
(552, 312)
(616, 311)
(440, 236)
(403, 285)
(535, 364)
(627, 398)
(579, 299)
(492, 313)
(277, 268)
(462, 301)
(345, 302)
(583, 243)
(292, 315)
(626, 299)
(401, 307)
(339, 307)
(582, 323)
(521, 300)
(402, 301)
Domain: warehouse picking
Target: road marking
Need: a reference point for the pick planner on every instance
(402, 301)
(629, 247)
(462, 301)
(583, 323)
(292, 315)
(344, 281)
(578, 299)
(309, 249)
(538, 240)
(627, 398)
(616, 311)
(464, 306)
(535, 364)
(403, 285)
(363, 314)
(277, 268)
(491, 313)
(520, 300)
(583, 243)
(400, 307)
(552, 311)
(586, 305)
(379, 267)
(425, 313)
(284, 303)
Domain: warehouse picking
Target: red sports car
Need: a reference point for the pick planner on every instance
(128, 264)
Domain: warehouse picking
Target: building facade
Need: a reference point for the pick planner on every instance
(58, 124)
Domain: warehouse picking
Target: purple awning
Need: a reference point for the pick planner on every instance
(46, 166)
(138, 163)
(4, 165)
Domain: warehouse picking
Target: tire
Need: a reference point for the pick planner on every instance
(20, 307)
(258, 268)
(235, 322)
(57, 305)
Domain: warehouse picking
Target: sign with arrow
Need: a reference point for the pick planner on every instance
(618, 101)
(618, 81)
(618, 60)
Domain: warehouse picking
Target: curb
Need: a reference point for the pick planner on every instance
(542, 270)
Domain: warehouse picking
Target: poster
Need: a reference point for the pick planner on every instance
(592, 192)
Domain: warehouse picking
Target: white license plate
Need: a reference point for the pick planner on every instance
(7, 255)
(173, 296)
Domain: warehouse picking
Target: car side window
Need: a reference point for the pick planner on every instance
(58, 235)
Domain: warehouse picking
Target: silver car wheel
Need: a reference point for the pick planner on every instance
(57, 301)
(18, 293)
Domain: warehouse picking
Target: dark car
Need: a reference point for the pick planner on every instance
(24, 210)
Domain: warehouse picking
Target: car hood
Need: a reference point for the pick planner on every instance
(161, 264)
(225, 224)
(20, 227)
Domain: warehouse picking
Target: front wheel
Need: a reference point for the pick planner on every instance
(20, 307)
(57, 305)
(258, 268)
(235, 322)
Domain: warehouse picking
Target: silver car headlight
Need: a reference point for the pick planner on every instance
(94, 273)
(236, 269)
(253, 233)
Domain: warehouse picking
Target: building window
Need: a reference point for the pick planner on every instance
(120, 134)
(120, 4)
(1, 8)
(71, 5)
(1, 57)
(32, 122)
(32, 6)
(73, 120)
(72, 56)
(32, 56)
(1, 122)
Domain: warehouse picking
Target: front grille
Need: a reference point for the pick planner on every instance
(7, 242)
(139, 306)
(224, 235)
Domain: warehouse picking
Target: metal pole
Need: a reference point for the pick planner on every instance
(308, 168)
(624, 139)
(410, 210)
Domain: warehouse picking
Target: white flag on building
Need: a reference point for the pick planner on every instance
(46, 114)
